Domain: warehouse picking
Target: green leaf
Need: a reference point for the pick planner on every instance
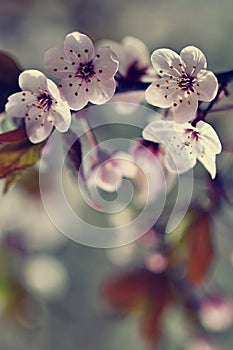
(15, 158)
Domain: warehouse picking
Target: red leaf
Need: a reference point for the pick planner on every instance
(9, 72)
(143, 290)
(9, 69)
(200, 250)
(126, 292)
(160, 298)
(16, 135)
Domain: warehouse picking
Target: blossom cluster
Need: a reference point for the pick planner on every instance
(88, 74)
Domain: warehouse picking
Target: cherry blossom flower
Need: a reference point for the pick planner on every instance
(183, 81)
(85, 74)
(40, 104)
(107, 175)
(184, 144)
(134, 61)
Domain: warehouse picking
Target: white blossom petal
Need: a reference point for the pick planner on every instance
(75, 94)
(179, 158)
(160, 131)
(101, 91)
(194, 60)
(62, 117)
(32, 80)
(54, 91)
(57, 63)
(209, 137)
(208, 159)
(105, 64)
(81, 45)
(37, 128)
(162, 61)
(208, 86)
(209, 146)
(17, 105)
(157, 96)
(185, 110)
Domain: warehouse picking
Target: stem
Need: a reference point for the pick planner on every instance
(225, 77)
(222, 108)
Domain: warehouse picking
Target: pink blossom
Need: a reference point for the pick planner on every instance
(216, 313)
(107, 175)
(183, 81)
(40, 104)
(156, 262)
(85, 74)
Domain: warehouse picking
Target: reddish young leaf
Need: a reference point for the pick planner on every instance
(16, 135)
(161, 297)
(127, 292)
(145, 291)
(9, 72)
(200, 249)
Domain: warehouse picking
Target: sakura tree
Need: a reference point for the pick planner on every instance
(176, 97)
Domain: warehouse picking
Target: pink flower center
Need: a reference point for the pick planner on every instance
(44, 101)
(185, 82)
(85, 71)
(192, 136)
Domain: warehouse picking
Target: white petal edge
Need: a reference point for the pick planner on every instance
(62, 118)
(15, 107)
(209, 136)
(32, 80)
(80, 44)
(163, 59)
(208, 86)
(161, 131)
(208, 159)
(193, 57)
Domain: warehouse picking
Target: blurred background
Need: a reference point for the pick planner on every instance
(51, 289)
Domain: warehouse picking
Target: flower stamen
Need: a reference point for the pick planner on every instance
(44, 101)
(85, 71)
